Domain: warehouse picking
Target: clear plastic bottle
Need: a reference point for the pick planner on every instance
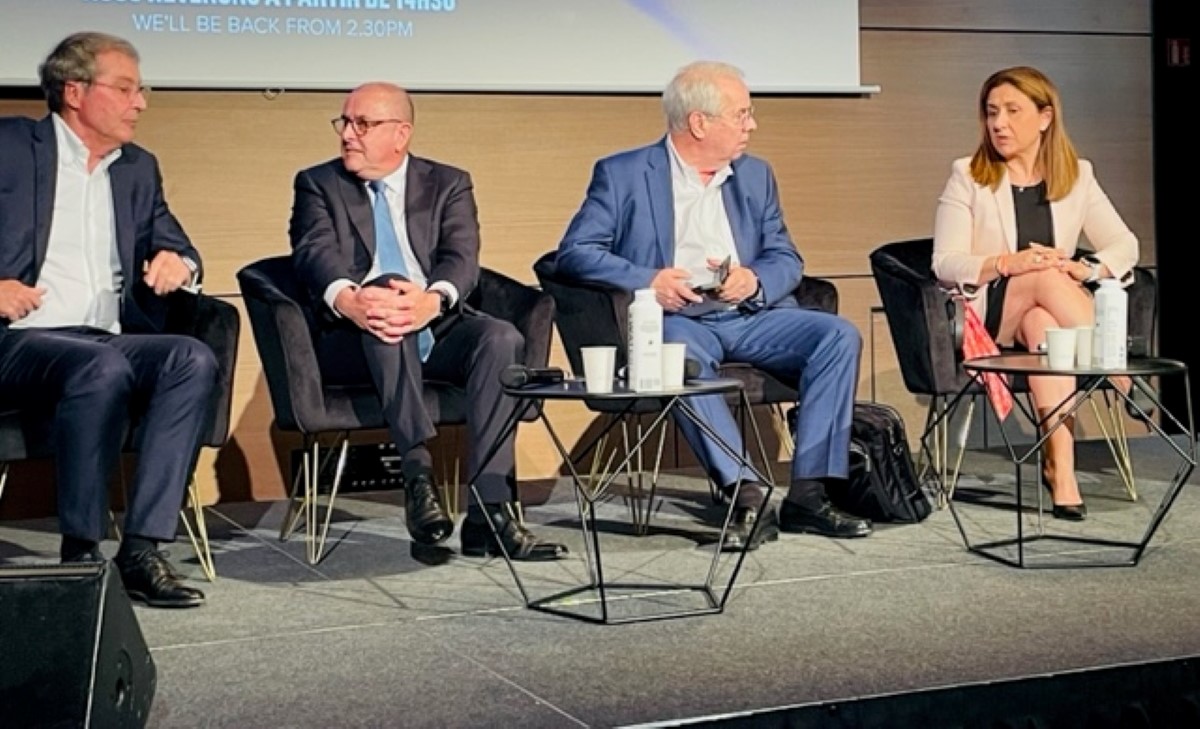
(1112, 317)
(645, 342)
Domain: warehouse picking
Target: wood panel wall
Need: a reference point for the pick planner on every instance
(854, 172)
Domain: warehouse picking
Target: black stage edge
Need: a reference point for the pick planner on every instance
(1156, 694)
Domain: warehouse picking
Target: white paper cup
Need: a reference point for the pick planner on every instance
(1083, 345)
(673, 356)
(599, 364)
(1060, 348)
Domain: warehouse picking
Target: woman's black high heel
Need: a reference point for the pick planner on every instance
(1139, 406)
(1073, 512)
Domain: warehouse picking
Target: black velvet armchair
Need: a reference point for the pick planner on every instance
(925, 322)
(596, 315)
(285, 331)
(28, 435)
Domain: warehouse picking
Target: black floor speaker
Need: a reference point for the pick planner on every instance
(71, 651)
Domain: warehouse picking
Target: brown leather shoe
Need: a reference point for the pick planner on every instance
(149, 578)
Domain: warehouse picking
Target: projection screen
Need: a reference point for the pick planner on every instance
(559, 46)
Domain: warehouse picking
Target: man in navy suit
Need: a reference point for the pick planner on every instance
(88, 251)
(666, 217)
(387, 245)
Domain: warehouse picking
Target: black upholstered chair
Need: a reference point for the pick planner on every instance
(285, 331)
(925, 321)
(28, 435)
(597, 315)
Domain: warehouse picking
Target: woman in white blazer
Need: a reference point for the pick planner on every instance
(1006, 231)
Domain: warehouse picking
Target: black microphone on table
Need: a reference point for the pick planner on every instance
(518, 375)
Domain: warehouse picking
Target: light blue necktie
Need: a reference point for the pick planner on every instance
(391, 259)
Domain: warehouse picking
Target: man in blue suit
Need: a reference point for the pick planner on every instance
(88, 251)
(666, 217)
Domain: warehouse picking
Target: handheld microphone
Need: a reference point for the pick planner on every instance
(518, 375)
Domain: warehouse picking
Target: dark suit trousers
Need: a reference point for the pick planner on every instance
(470, 351)
(91, 383)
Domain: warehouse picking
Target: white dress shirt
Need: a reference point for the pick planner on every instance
(702, 229)
(397, 186)
(81, 275)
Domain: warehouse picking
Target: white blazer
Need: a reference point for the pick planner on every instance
(974, 222)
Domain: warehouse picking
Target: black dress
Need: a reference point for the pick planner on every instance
(1034, 224)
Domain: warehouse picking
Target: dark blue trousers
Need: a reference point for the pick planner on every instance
(95, 386)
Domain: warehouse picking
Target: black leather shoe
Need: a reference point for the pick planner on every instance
(149, 577)
(1072, 512)
(92, 556)
(427, 521)
(827, 521)
(1068, 512)
(738, 536)
(520, 543)
(1139, 406)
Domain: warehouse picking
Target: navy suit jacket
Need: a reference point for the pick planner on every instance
(333, 227)
(144, 224)
(624, 233)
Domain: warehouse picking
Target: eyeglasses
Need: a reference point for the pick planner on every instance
(740, 118)
(129, 91)
(360, 125)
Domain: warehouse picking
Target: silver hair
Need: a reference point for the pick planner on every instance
(694, 88)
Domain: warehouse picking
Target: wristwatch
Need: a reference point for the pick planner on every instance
(1092, 263)
(446, 303)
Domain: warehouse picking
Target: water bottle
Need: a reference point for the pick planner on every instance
(645, 342)
(1112, 317)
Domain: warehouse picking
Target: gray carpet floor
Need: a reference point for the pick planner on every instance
(375, 636)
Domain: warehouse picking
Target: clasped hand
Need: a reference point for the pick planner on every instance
(673, 288)
(392, 312)
(1040, 257)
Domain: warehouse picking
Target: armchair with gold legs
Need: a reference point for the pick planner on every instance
(27, 435)
(306, 402)
(925, 321)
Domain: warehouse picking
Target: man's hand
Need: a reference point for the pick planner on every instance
(392, 312)
(673, 290)
(17, 299)
(166, 273)
(740, 285)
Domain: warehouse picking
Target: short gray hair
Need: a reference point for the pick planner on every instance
(694, 88)
(74, 59)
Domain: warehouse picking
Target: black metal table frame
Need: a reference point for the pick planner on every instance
(670, 401)
(1088, 381)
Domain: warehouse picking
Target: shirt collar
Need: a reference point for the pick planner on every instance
(395, 180)
(691, 173)
(71, 148)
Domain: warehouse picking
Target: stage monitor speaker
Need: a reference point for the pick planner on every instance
(72, 652)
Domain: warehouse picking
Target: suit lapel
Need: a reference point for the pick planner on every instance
(732, 196)
(120, 176)
(45, 152)
(419, 195)
(1003, 196)
(662, 204)
(358, 207)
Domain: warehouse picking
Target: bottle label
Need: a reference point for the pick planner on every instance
(645, 345)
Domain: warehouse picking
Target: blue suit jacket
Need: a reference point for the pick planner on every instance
(144, 224)
(624, 233)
